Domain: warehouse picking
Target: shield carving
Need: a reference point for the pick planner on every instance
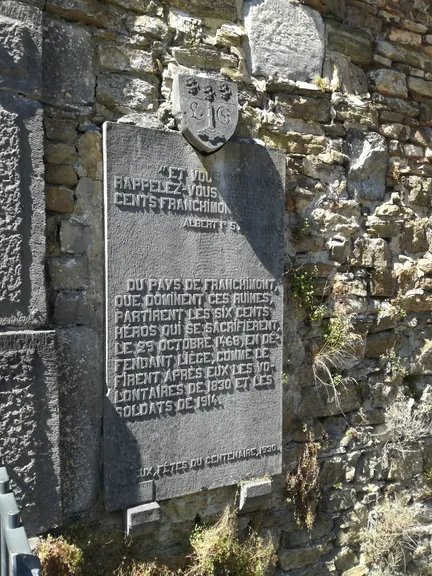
(206, 109)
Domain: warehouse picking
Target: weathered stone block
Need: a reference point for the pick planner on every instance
(29, 425)
(59, 199)
(22, 213)
(300, 557)
(21, 48)
(81, 400)
(118, 58)
(61, 175)
(413, 238)
(405, 466)
(95, 12)
(312, 109)
(67, 74)
(388, 82)
(426, 112)
(74, 237)
(383, 283)
(60, 153)
(142, 518)
(399, 54)
(342, 75)
(127, 94)
(416, 301)
(290, 46)
(350, 41)
(253, 494)
(223, 9)
(357, 571)
(90, 148)
(368, 165)
(419, 87)
(372, 253)
(60, 130)
(71, 308)
(380, 343)
(204, 57)
(68, 272)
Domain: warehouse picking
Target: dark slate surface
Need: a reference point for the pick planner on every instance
(81, 400)
(22, 214)
(21, 48)
(170, 432)
(29, 425)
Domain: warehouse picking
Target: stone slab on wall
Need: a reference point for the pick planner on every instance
(29, 425)
(194, 364)
(22, 215)
(289, 45)
(68, 77)
(81, 396)
(21, 48)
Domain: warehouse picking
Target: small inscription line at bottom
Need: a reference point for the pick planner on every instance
(171, 468)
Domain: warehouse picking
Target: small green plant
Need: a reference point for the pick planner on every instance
(217, 550)
(59, 558)
(427, 474)
(394, 366)
(318, 313)
(337, 486)
(304, 227)
(302, 288)
(337, 379)
(303, 291)
(303, 485)
(285, 378)
(351, 433)
(331, 358)
(321, 83)
(397, 305)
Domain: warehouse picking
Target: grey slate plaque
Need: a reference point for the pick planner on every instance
(194, 257)
(29, 425)
(22, 214)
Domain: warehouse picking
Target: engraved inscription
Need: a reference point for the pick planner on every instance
(183, 345)
(171, 468)
(177, 191)
(194, 253)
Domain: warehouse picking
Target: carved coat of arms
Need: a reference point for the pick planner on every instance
(207, 110)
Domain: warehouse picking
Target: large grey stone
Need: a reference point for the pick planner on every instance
(368, 165)
(81, 398)
(29, 425)
(290, 45)
(21, 48)
(223, 9)
(67, 74)
(127, 94)
(22, 213)
(177, 422)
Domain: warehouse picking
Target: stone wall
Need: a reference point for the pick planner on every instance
(345, 87)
